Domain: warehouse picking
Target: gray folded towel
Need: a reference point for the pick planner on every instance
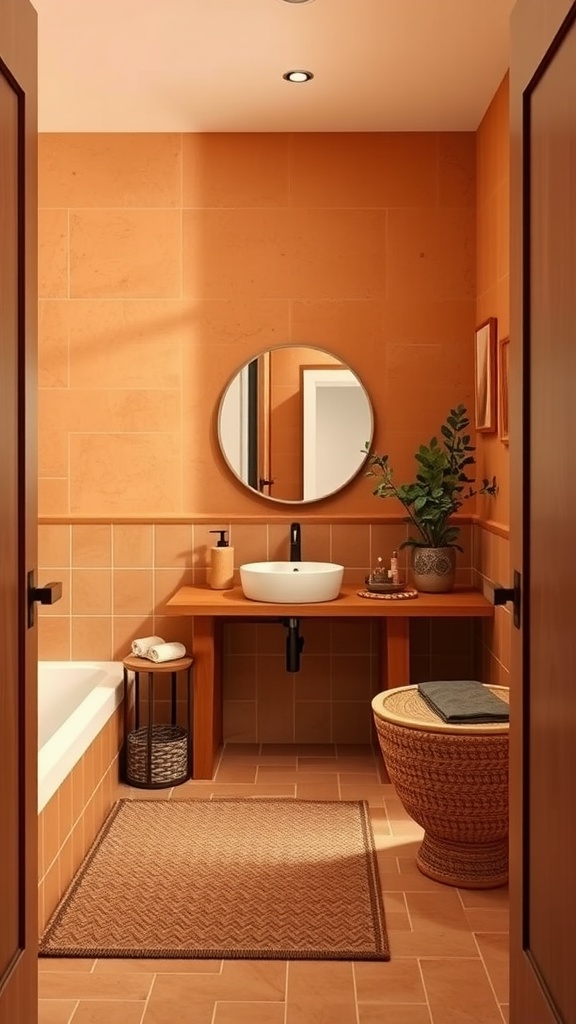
(459, 701)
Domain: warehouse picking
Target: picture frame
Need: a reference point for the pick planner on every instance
(503, 395)
(485, 376)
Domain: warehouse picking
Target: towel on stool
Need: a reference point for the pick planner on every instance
(461, 701)
(167, 652)
(141, 647)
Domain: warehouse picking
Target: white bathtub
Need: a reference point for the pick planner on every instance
(75, 700)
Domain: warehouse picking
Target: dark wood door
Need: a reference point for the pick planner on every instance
(18, 518)
(543, 454)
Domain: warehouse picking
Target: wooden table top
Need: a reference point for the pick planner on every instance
(202, 600)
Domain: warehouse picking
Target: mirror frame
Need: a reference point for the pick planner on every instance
(254, 396)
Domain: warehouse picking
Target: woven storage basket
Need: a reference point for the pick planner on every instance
(453, 780)
(169, 756)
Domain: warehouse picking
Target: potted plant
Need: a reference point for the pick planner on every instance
(441, 486)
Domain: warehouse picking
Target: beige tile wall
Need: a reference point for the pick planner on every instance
(70, 821)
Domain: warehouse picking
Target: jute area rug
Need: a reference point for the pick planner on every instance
(270, 879)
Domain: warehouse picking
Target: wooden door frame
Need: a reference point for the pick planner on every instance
(534, 24)
(18, 34)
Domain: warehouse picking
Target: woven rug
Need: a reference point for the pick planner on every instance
(271, 879)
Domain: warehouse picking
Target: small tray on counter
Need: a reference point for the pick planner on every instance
(384, 588)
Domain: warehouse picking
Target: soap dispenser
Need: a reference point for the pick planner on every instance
(221, 563)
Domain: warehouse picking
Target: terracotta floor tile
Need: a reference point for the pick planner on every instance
(356, 750)
(288, 748)
(193, 791)
(327, 764)
(239, 980)
(174, 1011)
(249, 1013)
(274, 789)
(398, 981)
(459, 991)
(356, 791)
(55, 1011)
(268, 774)
(370, 1014)
(236, 773)
(495, 954)
(397, 916)
(485, 899)
(313, 791)
(56, 963)
(488, 920)
(111, 965)
(109, 1012)
(75, 985)
(325, 750)
(320, 993)
(395, 881)
(379, 821)
(437, 911)
(348, 778)
(416, 881)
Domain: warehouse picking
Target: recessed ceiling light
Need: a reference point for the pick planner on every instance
(298, 76)
(298, 1)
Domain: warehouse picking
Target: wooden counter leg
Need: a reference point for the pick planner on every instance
(206, 709)
(397, 631)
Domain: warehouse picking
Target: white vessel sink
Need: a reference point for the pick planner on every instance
(291, 582)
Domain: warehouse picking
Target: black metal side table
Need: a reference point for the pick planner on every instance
(157, 755)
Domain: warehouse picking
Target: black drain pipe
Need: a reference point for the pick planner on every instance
(294, 644)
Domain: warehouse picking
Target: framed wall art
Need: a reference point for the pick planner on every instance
(485, 376)
(503, 376)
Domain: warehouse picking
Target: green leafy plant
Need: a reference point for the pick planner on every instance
(442, 483)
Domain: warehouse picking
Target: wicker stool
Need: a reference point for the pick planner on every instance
(453, 780)
(156, 755)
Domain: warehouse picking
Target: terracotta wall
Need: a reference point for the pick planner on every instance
(491, 543)
(166, 262)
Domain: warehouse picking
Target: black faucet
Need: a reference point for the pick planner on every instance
(295, 549)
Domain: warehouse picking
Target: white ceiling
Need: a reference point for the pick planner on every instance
(217, 65)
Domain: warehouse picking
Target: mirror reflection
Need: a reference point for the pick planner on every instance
(292, 423)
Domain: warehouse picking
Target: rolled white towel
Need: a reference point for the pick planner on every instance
(167, 652)
(140, 648)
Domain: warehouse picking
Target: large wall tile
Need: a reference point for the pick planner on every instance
(378, 170)
(124, 473)
(53, 355)
(53, 267)
(233, 170)
(100, 169)
(430, 253)
(127, 344)
(124, 254)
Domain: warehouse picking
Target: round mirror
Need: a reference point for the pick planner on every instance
(293, 422)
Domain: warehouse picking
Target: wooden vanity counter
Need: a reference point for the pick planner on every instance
(210, 608)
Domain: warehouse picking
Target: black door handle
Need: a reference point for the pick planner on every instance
(498, 594)
(48, 594)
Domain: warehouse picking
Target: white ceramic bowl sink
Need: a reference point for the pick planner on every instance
(291, 582)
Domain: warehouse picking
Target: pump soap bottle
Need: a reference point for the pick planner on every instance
(221, 563)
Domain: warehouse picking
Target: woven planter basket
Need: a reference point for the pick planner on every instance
(452, 780)
(169, 761)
